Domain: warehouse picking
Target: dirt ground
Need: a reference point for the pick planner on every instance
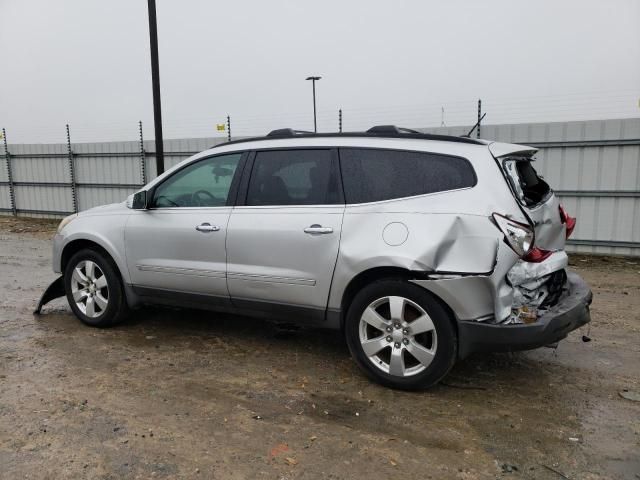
(189, 394)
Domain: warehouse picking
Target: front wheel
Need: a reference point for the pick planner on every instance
(400, 335)
(94, 289)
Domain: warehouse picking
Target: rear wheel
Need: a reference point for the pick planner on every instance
(94, 289)
(400, 335)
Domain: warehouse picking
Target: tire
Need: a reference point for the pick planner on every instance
(94, 289)
(420, 325)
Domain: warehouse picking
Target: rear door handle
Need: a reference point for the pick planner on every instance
(207, 227)
(316, 229)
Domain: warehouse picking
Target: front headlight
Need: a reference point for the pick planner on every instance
(66, 221)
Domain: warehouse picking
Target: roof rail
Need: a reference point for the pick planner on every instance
(382, 131)
(390, 129)
(287, 132)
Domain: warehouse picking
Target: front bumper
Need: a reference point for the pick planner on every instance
(571, 312)
(56, 254)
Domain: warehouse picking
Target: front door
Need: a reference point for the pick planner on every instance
(283, 238)
(178, 244)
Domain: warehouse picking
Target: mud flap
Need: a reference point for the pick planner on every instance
(55, 290)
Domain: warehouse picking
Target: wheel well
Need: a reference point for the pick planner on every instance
(368, 276)
(74, 247)
(358, 282)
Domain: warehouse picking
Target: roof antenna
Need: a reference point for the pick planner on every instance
(475, 126)
(442, 117)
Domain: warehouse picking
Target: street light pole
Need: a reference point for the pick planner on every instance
(313, 81)
(155, 82)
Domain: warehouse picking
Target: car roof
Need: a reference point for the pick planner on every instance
(389, 132)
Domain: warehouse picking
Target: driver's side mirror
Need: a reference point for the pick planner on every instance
(137, 201)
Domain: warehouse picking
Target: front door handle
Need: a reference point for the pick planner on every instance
(316, 229)
(207, 227)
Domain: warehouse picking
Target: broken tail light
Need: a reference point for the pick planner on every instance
(570, 222)
(518, 236)
(537, 255)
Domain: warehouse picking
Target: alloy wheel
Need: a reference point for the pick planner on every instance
(90, 289)
(398, 336)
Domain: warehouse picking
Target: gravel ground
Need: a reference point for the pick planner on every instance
(190, 394)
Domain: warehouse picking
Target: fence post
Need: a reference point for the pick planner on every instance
(228, 128)
(143, 165)
(340, 120)
(7, 157)
(479, 117)
(72, 172)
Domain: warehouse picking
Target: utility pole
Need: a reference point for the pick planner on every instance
(155, 81)
(313, 81)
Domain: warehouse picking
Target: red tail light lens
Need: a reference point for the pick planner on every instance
(537, 255)
(569, 221)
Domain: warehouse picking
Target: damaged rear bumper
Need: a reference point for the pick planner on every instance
(571, 312)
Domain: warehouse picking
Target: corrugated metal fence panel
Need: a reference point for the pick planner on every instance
(150, 160)
(41, 198)
(5, 192)
(3, 165)
(5, 199)
(89, 197)
(100, 162)
(39, 163)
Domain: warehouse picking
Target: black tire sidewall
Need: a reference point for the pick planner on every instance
(446, 333)
(116, 307)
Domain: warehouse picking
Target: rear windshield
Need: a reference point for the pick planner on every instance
(529, 187)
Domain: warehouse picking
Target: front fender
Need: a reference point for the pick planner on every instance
(106, 231)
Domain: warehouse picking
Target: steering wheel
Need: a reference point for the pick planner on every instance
(196, 200)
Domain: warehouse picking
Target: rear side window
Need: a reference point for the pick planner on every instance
(293, 177)
(529, 187)
(372, 175)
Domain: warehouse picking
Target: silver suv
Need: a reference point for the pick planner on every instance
(420, 248)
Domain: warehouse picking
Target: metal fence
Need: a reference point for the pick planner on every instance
(50, 180)
(594, 166)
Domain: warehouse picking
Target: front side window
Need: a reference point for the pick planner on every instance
(293, 177)
(205, 183)
(373, 175)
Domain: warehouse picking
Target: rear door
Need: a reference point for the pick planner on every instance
(283, 237)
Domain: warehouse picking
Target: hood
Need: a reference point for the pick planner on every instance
(105, 209)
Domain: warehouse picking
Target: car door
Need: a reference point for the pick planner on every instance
(283, 239)
(178, 243)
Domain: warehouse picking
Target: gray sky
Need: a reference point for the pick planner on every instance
(86, 62)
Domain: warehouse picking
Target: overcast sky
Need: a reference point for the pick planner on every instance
(86, 62)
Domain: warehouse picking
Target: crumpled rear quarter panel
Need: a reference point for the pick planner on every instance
(436, 240)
